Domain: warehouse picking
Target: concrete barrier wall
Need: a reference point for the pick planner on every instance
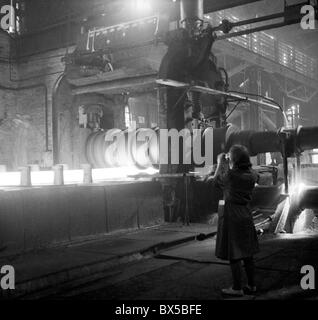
(35, 218)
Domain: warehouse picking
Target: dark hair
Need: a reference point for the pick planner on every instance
(240, 157)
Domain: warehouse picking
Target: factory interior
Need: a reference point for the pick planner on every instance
(89, 212)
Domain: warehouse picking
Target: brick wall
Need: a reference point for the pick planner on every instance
(26, 107)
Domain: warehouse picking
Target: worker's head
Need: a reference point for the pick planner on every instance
(239, 157)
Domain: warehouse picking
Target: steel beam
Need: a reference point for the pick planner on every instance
(133, 84)
(177, 84)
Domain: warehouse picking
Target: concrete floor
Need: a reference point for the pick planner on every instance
(54, 269)
(191, 272)
(165, 262)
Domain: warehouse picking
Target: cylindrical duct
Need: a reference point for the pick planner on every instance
(191, 9)
(101, 153)
(307, 138)
(255, 142)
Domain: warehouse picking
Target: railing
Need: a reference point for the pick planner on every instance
(269, 47)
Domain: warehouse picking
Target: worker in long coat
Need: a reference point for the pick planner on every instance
(236, 236)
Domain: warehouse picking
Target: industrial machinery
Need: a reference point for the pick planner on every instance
(188, 82)
(192, 77)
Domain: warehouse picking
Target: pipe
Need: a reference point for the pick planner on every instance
(288, 142)
(192, 16)
(55, 119)
(296, 140)
(307, 137)
(255, 142)
(191, 10)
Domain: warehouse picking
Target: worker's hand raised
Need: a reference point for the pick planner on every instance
(221, 158)
(208, 179)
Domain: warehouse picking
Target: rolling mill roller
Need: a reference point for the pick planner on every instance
(101, 153)
(293, 141)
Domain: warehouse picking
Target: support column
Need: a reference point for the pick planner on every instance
(87, 178)
(254, 87)
(58, 175)
(25, 177)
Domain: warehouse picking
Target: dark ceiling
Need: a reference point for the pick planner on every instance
(42, 13)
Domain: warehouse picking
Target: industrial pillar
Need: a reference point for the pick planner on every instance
(87, 173)
(25, 176)
(254, 86)
(58, 175)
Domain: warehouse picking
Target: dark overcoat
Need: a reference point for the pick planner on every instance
(236, 235)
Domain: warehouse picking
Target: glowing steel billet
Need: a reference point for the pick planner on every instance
(73, 176)
(10, 179)
(46, 178)
(119, 173)
(42, 178)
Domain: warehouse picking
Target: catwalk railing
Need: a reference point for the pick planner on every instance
(269, 47)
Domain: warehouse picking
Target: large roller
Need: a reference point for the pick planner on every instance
(100, 153)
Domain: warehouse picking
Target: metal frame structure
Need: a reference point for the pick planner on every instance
(206, 90)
